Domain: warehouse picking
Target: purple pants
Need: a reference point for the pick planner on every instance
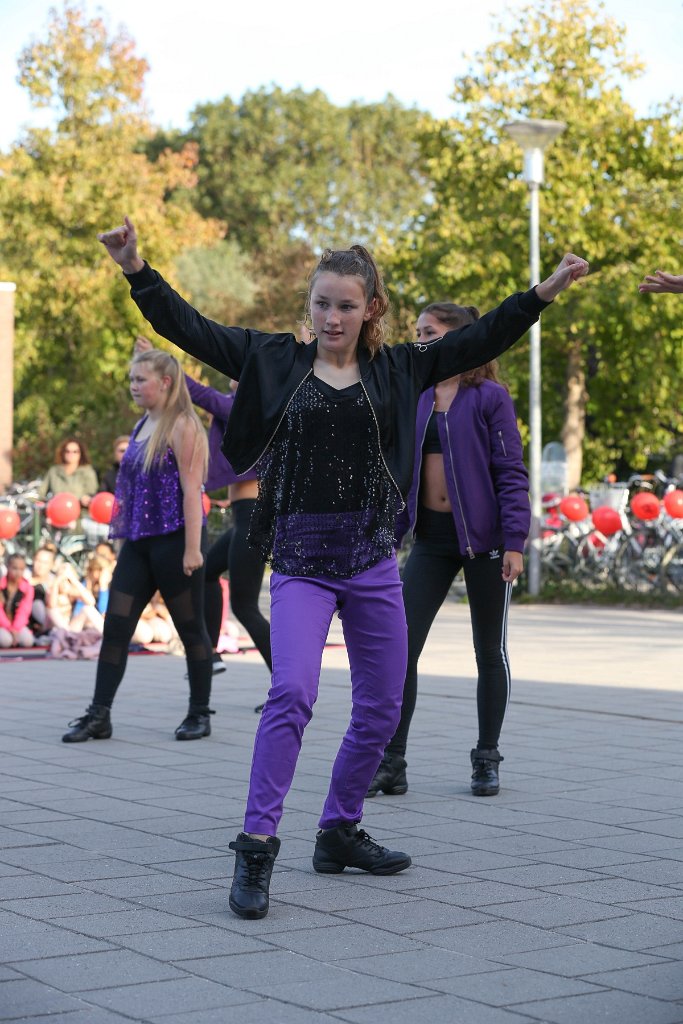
(374, 622)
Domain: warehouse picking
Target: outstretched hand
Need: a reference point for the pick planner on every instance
(569, 269)
(122, 245)
(662, 282)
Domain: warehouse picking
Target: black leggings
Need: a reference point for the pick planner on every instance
(432, 565)
(143, 567)
(245, 567)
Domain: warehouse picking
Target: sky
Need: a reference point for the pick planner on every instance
(203, 50)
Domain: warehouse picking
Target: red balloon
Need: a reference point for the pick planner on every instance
(645, 506)
(206, 503)
(574, 507)
(9, 523)
(607, 520)
(673, 503)
(101, 507)
(63, 509)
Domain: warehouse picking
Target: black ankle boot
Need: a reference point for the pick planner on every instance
(485, 771)
(390, 777)
(197, 723)
(95, 724)
(254, 860)
(348, 846)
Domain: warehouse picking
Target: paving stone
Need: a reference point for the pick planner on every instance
(634, 931)
(612, 890)
(421, 965)
(188, 943)
(120, 922)
(555, 911)
(25, 999)
(407, 918)
(492, 938)
(510, 986)
(23, 938)
(16, 887)
(45, 908)
(608, 1007)
(430, 1009)
(340, 941)
(581, 960)
(265, 1009)
(144, 1000)
(97, 970)
(661, 981)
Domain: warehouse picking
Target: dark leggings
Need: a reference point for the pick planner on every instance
(432, 565)
(245, 567)
(143, 567)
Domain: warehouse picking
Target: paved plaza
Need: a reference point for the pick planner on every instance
(560, 900)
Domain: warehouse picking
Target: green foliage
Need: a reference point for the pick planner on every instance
(612, 194)
(58, 188)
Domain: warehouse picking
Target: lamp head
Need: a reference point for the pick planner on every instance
(533, 137)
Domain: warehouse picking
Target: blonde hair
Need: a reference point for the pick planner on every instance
(357, 262)
(179, 403)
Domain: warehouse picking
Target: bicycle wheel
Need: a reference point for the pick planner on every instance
(671, 571)
(637, 562)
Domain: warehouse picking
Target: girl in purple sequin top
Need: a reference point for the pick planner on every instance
(158, 511)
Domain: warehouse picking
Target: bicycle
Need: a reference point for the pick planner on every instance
(36, 531)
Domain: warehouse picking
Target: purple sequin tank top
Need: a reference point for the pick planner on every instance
(146, 504)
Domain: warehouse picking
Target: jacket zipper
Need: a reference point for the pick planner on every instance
(470, 552)
(277, 427)
(502, 443)
(379, 444)
(419, 465)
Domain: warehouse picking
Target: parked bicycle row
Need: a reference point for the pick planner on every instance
(618, 534)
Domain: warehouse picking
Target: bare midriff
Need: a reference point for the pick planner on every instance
(242, 489)
(433, 492)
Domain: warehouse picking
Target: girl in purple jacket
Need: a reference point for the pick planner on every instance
(468, 508)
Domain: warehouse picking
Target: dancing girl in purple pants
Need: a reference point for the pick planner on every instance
(332, 428)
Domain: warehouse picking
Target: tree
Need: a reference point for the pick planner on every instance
(290, 174)
(612, 380)
(58, 188)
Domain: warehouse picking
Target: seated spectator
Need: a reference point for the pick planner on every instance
(105, 549)
(90, 612)
(41, 577)
(155, 625)
(72, 472)
(16, 599)
(66, 590)
(109, 478)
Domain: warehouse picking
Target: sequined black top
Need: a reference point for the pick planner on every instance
(326, 504)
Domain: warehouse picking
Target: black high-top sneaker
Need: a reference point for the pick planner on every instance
(254, 860)
(390, 777)
(485, 763)
(95, 724)
(196, 725)
(348, 846)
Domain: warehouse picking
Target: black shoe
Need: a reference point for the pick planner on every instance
(254, 860)
(196, 725)
(217, 665)
(259, 708)
(348, 846)
(94, 725)
(485, 763)
(390, 777)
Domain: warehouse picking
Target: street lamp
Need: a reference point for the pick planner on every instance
(533, 137)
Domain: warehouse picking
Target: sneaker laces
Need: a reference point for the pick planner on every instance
(364, 839)
(255, 863)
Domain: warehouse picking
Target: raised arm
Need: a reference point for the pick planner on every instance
(485, 339)
(216, 402)
(662, 282)
(187, 452)
(224, 348)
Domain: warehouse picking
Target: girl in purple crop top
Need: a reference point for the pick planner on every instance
(158, 513)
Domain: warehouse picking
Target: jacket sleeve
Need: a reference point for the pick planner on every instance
(224, 348)
(23, 612)
(476, 343)
(510, 478)
(401, 526)
(209, 399)
(90, 484)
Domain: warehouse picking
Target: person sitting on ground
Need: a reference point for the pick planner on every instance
(91, 611)
(16, 598)
(41, 578)
(66, 590)
(155, 625)
(72, 472)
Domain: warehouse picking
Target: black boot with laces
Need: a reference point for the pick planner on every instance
(254, 860)
(390, 777)
(95, 724)
(348, 846)
(196, 724)
(485, 763)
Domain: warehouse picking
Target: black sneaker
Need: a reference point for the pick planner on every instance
(348, 846)
(254, 860)
(485, 780)
(95, 724)
(390, 777)
(196, 725)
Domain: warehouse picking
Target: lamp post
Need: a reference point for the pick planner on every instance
(533, 137)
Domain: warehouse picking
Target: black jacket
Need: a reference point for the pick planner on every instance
(270, 367)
